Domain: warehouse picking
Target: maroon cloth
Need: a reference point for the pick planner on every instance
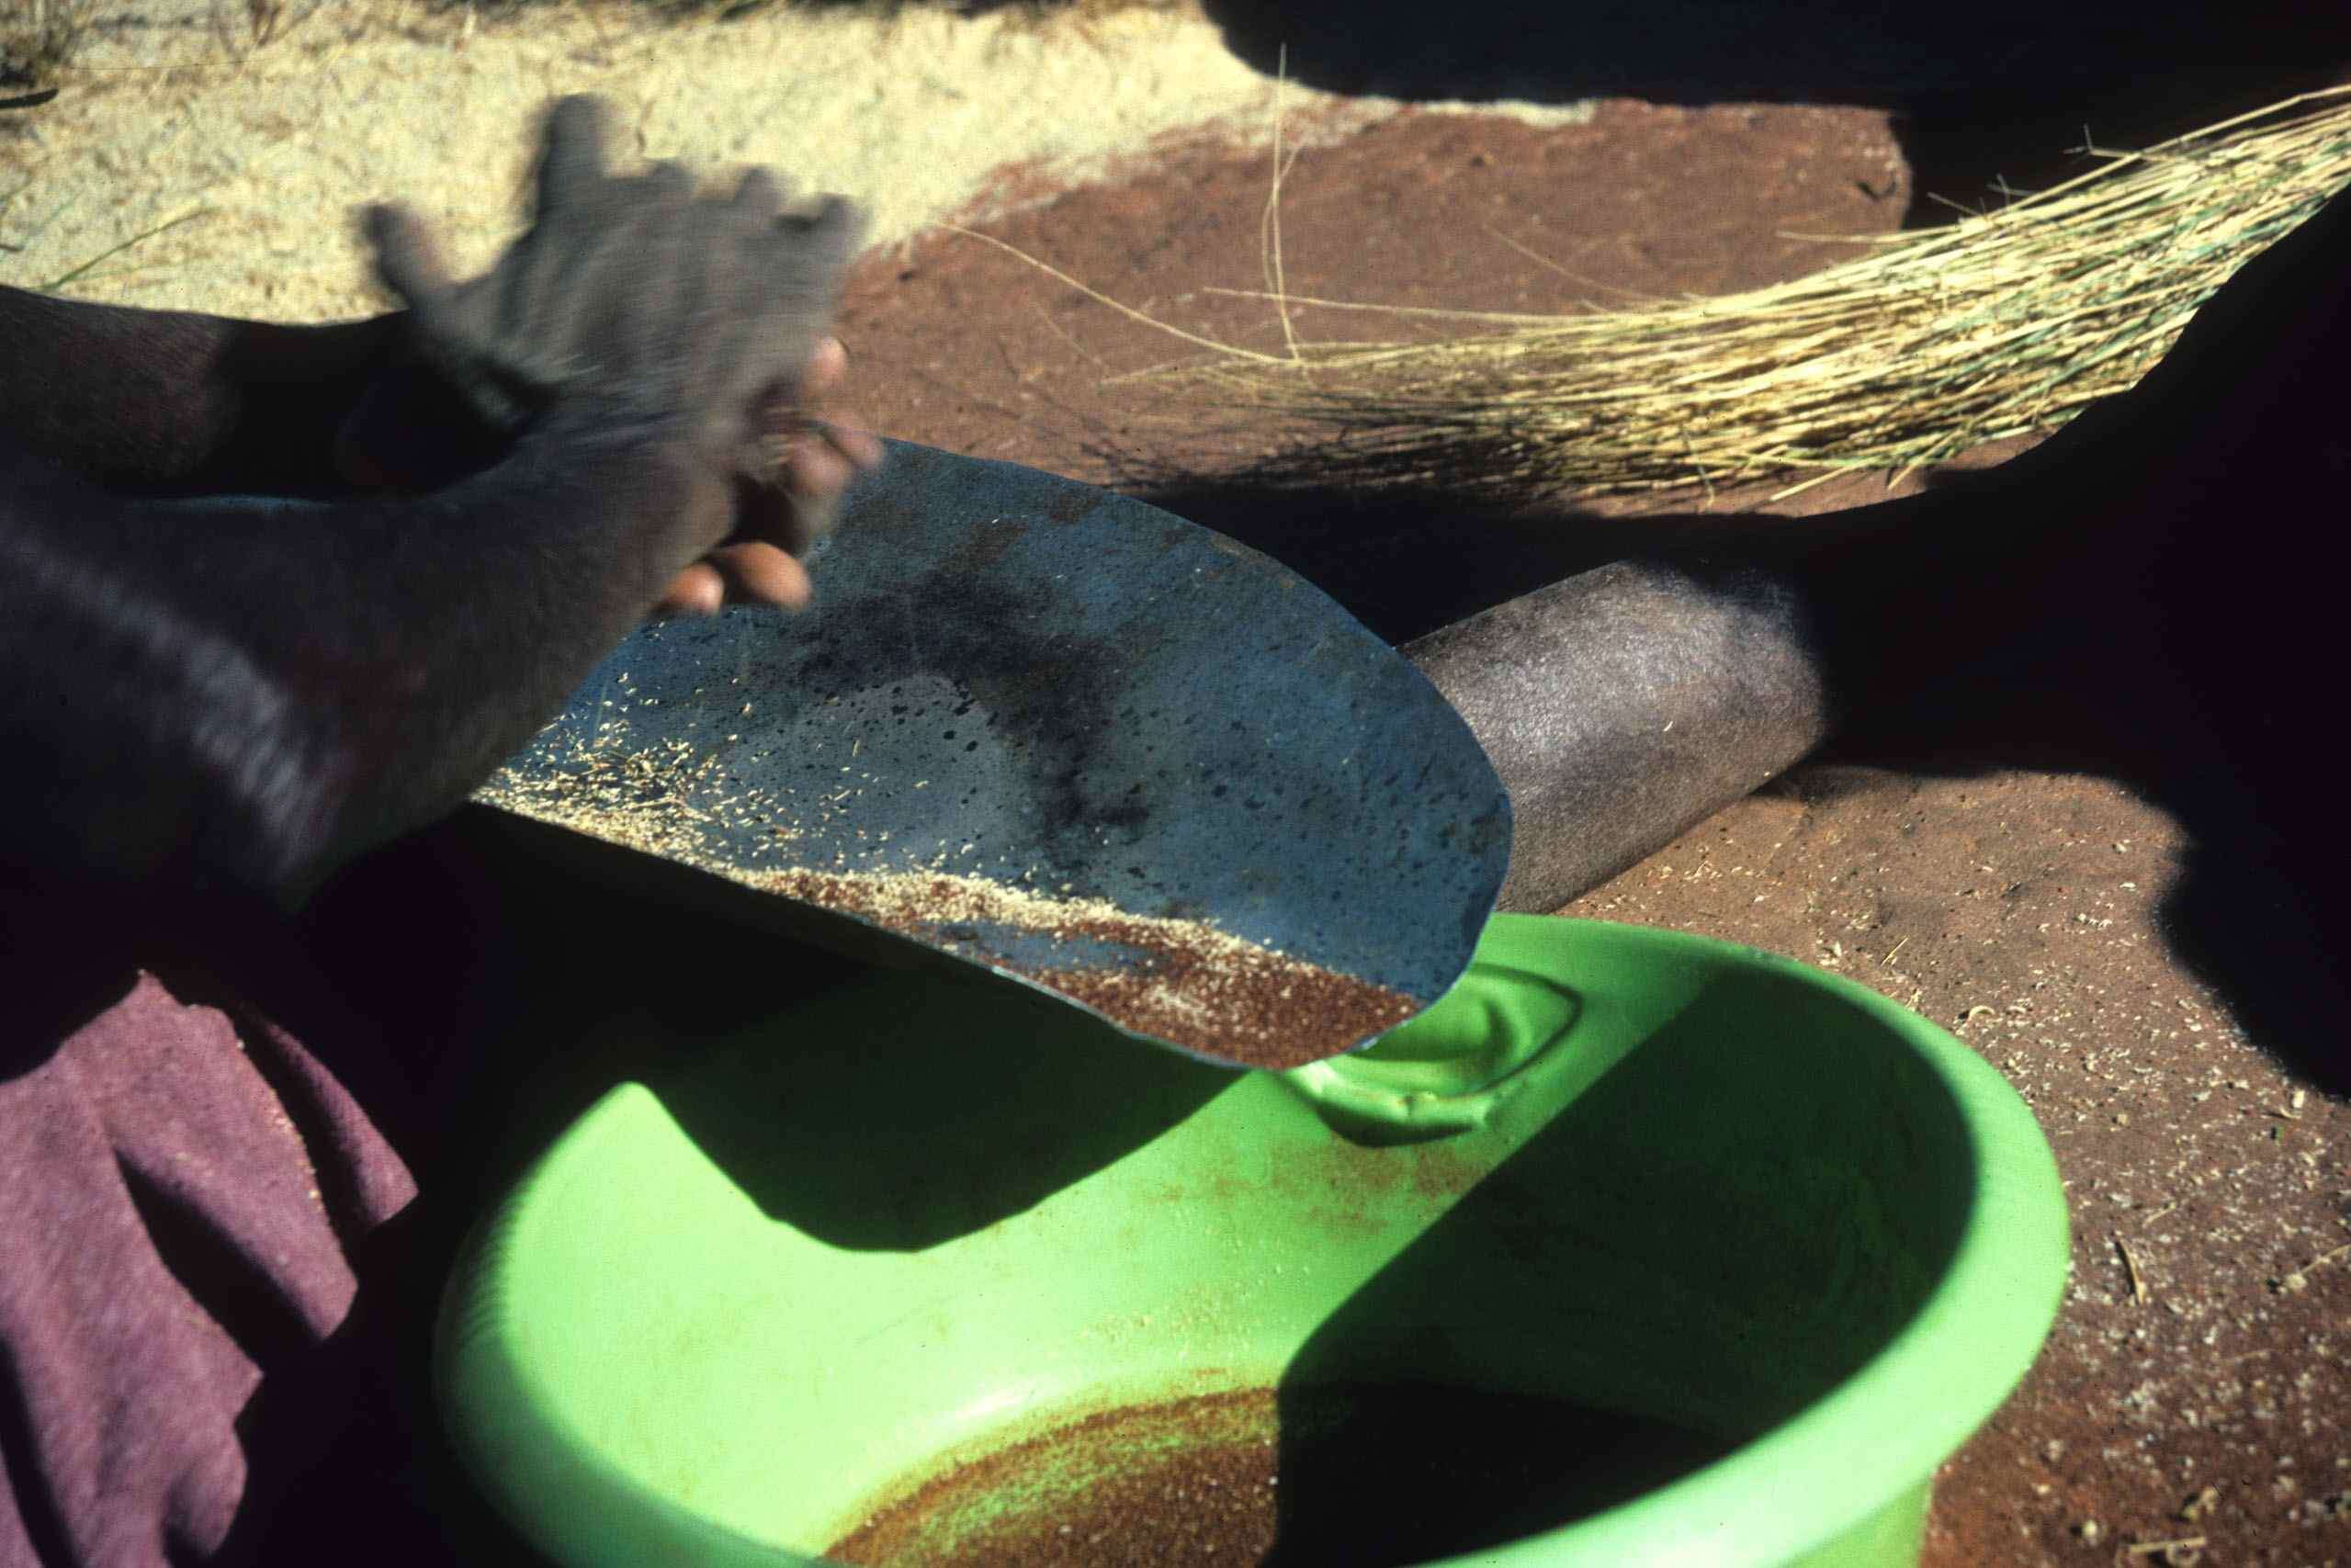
(218, 1278)
(179, 1200)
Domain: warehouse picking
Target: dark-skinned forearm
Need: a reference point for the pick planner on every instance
(249, 693)
(163, 400)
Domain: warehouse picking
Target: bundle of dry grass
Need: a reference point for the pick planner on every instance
(1933, 341)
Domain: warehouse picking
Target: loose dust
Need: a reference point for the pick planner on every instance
(215, 175)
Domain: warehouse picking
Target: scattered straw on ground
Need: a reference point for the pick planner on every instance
(2003, 325)
(200, 169)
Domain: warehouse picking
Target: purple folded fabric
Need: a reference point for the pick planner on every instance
(179, 1202)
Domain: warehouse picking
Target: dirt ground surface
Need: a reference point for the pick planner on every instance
(2192, 1398)
(2192, 1401)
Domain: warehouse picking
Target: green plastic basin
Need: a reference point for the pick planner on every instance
(1637, 1248)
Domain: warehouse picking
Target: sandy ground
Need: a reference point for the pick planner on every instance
(256, 156)
(2028, 910)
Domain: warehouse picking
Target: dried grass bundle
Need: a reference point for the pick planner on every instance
(1931, 343)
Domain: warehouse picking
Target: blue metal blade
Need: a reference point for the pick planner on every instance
(1069, 737)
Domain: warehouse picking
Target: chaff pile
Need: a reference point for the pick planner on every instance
(1932, 341)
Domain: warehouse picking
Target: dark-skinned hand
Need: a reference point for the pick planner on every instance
(634, 300)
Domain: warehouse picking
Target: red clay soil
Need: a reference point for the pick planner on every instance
(2196, 1390)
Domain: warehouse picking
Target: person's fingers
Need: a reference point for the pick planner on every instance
(760, 197)
(823, 454)
(817, 469)
(827, 365)
(815, 453)
(669, 179)
(861, 447)
(696, 591)
(407, 259)
(575, 162)
(760, 572)
(800, 502)
(831, 231)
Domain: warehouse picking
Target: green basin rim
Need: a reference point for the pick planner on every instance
(1907, 1409)
(1787, 1493)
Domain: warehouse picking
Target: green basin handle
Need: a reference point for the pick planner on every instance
(1447, 1070)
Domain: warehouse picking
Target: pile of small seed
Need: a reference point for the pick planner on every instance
(1186, 982)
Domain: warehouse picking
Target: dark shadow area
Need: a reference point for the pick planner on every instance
(897, 1116)
(1977, 149)
(348, 1448)
(44, 1531)
(2161, 606)
(431, 981)
(2227, 732)
(2180, 654)
(476, 993)
(1983, 94)
(56, 974)
(1701, 1244)
(1407, 559)
(1505, 1467)
(1702, 50)
(340, 1436)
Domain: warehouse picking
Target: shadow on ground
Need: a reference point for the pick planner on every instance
(2199, 671)
(1983, 96)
